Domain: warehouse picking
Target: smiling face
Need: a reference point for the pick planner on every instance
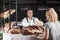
(30, 13)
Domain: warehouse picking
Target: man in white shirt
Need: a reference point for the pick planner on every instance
(30, 20)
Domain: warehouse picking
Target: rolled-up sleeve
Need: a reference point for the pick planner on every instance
(46, 27)
(24, 22)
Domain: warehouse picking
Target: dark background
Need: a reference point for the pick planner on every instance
(39, 7)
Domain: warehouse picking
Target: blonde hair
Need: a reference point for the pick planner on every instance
(53, 17)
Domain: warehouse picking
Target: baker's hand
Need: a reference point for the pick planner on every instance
(39, 23)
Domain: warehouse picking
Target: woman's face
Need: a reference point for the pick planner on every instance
(47, 17)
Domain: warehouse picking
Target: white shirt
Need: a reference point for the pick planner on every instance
(55, 29)
(28, 22)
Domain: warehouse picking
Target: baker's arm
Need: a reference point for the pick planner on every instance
(38, 22)
(24, 22)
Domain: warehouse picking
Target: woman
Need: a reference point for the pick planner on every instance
(52, 24)
(3, 16)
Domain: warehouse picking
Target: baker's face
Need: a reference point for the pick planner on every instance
(30, 13)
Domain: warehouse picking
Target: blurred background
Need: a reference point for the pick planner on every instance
(39, 7)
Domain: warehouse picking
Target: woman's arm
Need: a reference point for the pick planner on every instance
(46, 26)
